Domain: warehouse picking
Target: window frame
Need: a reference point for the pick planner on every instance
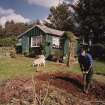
(35, 40)
(57, 40)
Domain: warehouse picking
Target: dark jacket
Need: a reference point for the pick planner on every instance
(85, 61)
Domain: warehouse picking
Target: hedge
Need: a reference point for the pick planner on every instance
(8, 41)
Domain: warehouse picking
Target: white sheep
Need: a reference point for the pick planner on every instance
(39, 61)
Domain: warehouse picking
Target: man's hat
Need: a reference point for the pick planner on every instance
(84, 44)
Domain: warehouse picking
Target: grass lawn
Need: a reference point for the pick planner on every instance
(20, 66)
(99, 67)
(15, 67)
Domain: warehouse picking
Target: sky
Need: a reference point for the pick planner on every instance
(25, 10)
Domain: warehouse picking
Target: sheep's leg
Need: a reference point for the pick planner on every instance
(33, 65)
(37, 67)
(40, 64)
(44, 64)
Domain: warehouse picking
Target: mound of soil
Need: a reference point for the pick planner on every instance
(51, 89)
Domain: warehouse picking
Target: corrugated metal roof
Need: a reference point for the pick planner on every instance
(50, 30)
(46, 30)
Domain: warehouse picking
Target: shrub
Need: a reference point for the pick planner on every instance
(26, 54)
(8, 41)
(56, 56)
(13, 54)
(98, 51)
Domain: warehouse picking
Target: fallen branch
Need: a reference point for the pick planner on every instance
(34, 91)
(45, 97)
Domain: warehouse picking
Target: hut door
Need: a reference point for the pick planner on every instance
(25, 45)
(48, 49)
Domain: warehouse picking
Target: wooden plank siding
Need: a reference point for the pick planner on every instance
(46, 41)
(35, 32)
(47, 38)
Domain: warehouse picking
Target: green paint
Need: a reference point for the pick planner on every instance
(47, 43)
(25, 44)
(66, 47)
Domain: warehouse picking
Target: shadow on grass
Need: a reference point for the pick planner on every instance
(102, 74)
(75, 82)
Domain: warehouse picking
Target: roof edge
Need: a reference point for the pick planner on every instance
(39, 26)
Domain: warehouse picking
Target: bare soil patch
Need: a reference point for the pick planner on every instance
(56, 88)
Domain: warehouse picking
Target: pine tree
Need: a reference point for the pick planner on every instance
(60, 17)
(90, 15)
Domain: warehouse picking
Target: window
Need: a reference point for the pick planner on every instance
(36, 41)
(55, 42)
(19, 43)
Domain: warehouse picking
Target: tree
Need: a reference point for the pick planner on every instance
(90, 16)
(14, 29)
(1, 31)
(9, 33)
(72, 40)
(60, 17)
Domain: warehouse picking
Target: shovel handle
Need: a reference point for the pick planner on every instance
(84, 81)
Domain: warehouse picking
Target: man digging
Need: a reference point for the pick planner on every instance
(86, 65)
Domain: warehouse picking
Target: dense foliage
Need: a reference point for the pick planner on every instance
(60, 17)
(9, 33)
(8, 41)
(90, 16)
(98, 51)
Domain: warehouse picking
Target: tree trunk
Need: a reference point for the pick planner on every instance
(69, 55)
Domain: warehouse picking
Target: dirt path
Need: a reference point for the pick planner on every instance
(73, 84)
(65, 89)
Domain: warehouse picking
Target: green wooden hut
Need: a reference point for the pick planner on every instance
(41, 39)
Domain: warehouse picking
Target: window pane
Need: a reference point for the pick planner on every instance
(56, 42)
(36, 41)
